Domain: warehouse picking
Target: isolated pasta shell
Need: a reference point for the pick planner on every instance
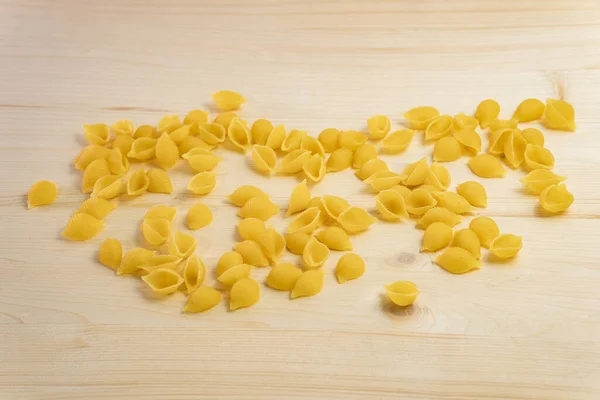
(339, 160)
(202, 183)
(529, 110)
(81, 227)
(244, 293)
(144, 131)
(293, 140)
(97, 207)
(159, 181)
(314, 168)
(163, 281)
(137, 183)
(352, 140)
(295, 242)
(182, 244)
(391, 205)
(559, 115)
(437, 236)
(447, 149)
(196, 116)
(454, 202)
(228, 260)
(335, 238)
(161, 261)
(261, 128)
(438, 214)
(378, 126)
(211, 133)
(299, 199)
(308, 284)
(439, 127)
(264, 159)
(164, 212)
(462, 121)
(156, 231)
(239, 135)
(88, 154)
(371, 167)
(506, 245)
(143, 149)
(556, 198)
(110, 253)
(180, 134)
(293, 162)
(533, 136)
(473, 192)
(514, 149)
(349, 267)
(199, 215)
(41, 193)
(315, 253)
(416, 173)
(202, 299)
(283, 276)
(94, 171)
(538, 157)
(383, 180)
(134, 259)
(486, 229)
(402, 293)
(234, 274)
(252, 253)
(438, 176)
(365, 153)
(398, 141)
(108, 187)
(486, 166)
(356, 219)
(305, 222)
(468, 138)
(457, 260)
(228, 100)
(242, 194)
(168, 123)
(97, 133)
(329, 139)
(420, 117)
(225, 118)
(540, 179)
(117, 162)
(258, 207)
(468, 240)
(419, 201)
(487, 111)
(201, 160)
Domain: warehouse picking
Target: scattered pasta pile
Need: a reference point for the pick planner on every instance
(317, 225)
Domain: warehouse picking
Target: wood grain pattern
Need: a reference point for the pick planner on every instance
(527, 329)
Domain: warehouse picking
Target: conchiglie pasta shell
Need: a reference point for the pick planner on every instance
(228, 100)
(419, 201)
(193, 142)
(462, 121)
(352, 140)
(559, 115)
(264, 159)
(242, 194)
(355, 219)
(329, 139)
(299, 199)
(273, 245)
(539, 179)
(378, 126)
(437, 236)
(182, 245)
(438, 176)
(499, 124)
(225, 118)
(383, 180)
(239, 135)
(506, 245)
(228, 260)
(293, 140)
(415, 173)
(529, 110)
(454, 202)
(486, 166)
(439, 214)
(110, 253)
(473, 192)
(457, 260)
(201, 160)
(97, 207)
(144, 131)
(117, 162)
(334, 238)
(123, 143)
(159, 181)
(315, 253)
(199, 215)
(350, 266)
(179, 135)
(252, 229)
(134, 259)
(276, 137)
(161, 261)
(168, 123)
(370, 168)
(533, 136)
(261, 128)
(420, 117)
(143, 149)
(334, 206)
(314, 168)
(514, 149)
(252, 253)
(166, 152)
(311, 144)
(94, 171)
(108, 187)
(156, 231)
(88, 154)
(295, 242)
(293, 162)
(439, 127)
(164, 212)
(402, 293)
(339, 160)
(202, 183)
(212, 133)
(391, 205)
(469, 139)
(97, 133)
(41, 193)
(81, 227)
(244, 293)
(486, 112)
(468, 240)
(305, 222)
(196, 116)
(447, 149)
(308, 284)
(497, 140)
(283, 276)
(398, 141)
(486, 230)
(258, 207)
(202, 299)
(538, 157)
(137, 183)
(234, 274)
(364, 154)
(556, 198)
(403, 190)
(163, 281)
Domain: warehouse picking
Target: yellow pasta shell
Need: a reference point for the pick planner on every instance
(339, 160)
(416, 173)
(419, 201)
(533, 136)
(439, 127)
(349, 267)
(311, 144)
(356, 219)
(224, 119)
(293, 162)
(314, 168)
(193, 142)
(264, 159)
(97, 207)
(273, 245)
(123, 143)
(228, 260)
(439, 214)
(329, 139)
(506, 245)
(199, 215)
(365, 153)
(486, 112)
(403, 190)
(447, 149)
(123, 127)
(234, 274)
(179, 135)
(334, 238)
(88, 154)
(117, 162)
(486, 229)
(538, 157)
(261, 128)
(161, 261)
(398, 141)
(94, 171)
(201, 160)
(242, 194)
(391, 205)
(468, 240)
(352, 140)
(514, 149)
(402, 293)
(202, 183)
(383, 180)
(299, 198)
(437, 236)
(457, 260)
(228, 100)
(168, 123)
(137, 183)
(539, 179)
(156, 231)
(462, 121)
(420, 117)
(144, 131)
(196, 116)
(166, 152)
(41, 193)
(318, 202)
(559, 115)
(212, 133)
(486, 166)
(244, 293)
(143, 149)
(500, 124)
(110, 253)
(473, 192)
(283, 276)
(556, 198)
(438, 176)
(182, 244)
(159, 181)
(252, 253)
(371, 167)
(97, 133)
(252, 229)
(276, 137)
(308, 284)
(378, 126)
(258, 207)
(295, 242)
(529, 110)
(108, 187)
(202, 299)
(497, 140)
(306, 222)
(293, 140)
(163, 281)
(164, 212)
(469, 139)
(239, 135)
(81, 227)
(315, 253)
(454, 202)
(134, 259)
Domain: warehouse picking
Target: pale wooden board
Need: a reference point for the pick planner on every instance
(527, 329)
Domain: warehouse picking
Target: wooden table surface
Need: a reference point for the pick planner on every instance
(71, 329)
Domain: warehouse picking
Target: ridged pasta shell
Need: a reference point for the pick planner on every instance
(81, 227)
(398, 141)
(244, 293)
(506, 245)
(264, 159)
(202, 299)
(163, 281)
(228, 100)
(437, 236)
(159, 181)
(486, 230)
(402, 293)
(308, 284)
(556, 198)
(41, 193)
(283, 276)
(350, 266)
(457, 260)
(355, 219)
(391, 205)
(202, 183)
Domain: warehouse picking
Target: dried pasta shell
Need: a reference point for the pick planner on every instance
(439, 127)
(454, 202)
(228, 100)
(292, 162)
(202, 299)
(339, 160)
(365, 153)
(156, 231)
(88, 154)
(514, 149)
(556, 198)
(308, 284)
(110, 253)
(228, 260)
(224, 119)
(447, 149)
(315, 253)
(252, 253)
(293, 140)
(371, 167)
(196, 116)
(416, 173)
(199, 215)
(468, 240)
(468, 138)
(540, 179)
(350, 266)
(283, 276)
(168, 123)
(134, 259)
(239, 135)
(234, 274)
(244, 293)
(329, 139)
(430, 188)
(276, 137)
(318, 202)
(473, 192)
(398, 141)
(41, 193)
(117, 162)
(439, 214)
(314, 168)
(202, 183)
(166, 152)
(242, 194)
(123, 127)
(159, 181)
(258, 207)
(273, 245)
(305, 222)
(538, 157)
(533, 136)
(559, 115)
(334, 238)
(193, 142)
(419, 201)
(97, 133)
(420, 117)
(137, 183)
(463, 121)
(403, 190)
(163, 281)
(378, 126)
(500, 124)
(261, 128)
(487, 111)
(299, 199)
(147, 131)
(437, 236)
(96, 170)
(295, 242)
(143, 149)
(457, 260)
(311, 144)
(486, 166)
(161, 261)
(529, 110)
(383, 180)
(163, 212)
(497, 140)
(108, 187)
(182, 244)
(438, 176)
(97, 207)
(402, 293)
(506, 245)
(264, 159)
(334, 206)
(179, 135)
(81, 227)
(252, 229)
(212, 133)
(355, 219)
(352, 140)
(486, 229)
(391, 205)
